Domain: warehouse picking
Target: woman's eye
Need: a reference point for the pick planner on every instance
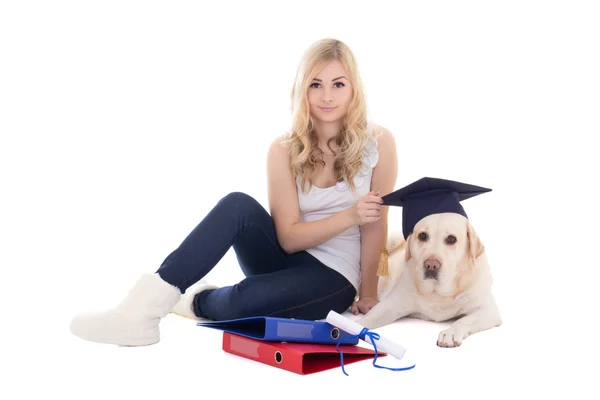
(422, 236)
(451, 239)
(336, 84)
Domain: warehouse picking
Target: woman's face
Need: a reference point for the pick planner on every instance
(330, 93)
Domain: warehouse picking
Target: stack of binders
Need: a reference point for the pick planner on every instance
(299, 346)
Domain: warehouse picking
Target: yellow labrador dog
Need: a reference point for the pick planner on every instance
(439, 273)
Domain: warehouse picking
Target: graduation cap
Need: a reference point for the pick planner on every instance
(430, 196)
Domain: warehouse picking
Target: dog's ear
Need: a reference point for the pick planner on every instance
(476, 247)
(407, 254)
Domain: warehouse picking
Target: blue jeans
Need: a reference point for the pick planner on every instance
(277, 284)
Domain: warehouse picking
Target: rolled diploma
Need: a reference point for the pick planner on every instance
(353, 328)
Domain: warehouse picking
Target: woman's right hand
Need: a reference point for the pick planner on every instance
(366, 209)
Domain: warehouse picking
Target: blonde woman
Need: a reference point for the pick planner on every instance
(316, 250)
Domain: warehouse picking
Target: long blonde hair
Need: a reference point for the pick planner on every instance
(302, 138)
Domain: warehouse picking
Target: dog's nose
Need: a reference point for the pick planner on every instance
(432, 264)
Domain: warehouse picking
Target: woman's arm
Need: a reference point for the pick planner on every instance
(292, 234)
(374, 234)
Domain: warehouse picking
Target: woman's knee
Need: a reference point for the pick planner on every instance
(237, 200)
(242, 204)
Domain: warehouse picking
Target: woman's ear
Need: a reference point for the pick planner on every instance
(407, 254)
(476, 247)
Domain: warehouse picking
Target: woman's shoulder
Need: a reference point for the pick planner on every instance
(380, 132)
(383, 146)
(379, 137)
(280, 144)
(278, 152)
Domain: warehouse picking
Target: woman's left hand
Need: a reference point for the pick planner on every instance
(363, 305)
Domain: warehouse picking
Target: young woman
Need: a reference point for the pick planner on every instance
(316, 250)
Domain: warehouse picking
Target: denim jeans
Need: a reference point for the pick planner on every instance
(277, 284)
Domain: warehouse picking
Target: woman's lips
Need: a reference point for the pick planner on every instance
(327, 109)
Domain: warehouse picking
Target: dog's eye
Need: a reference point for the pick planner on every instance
(451, 239)
(422, 236)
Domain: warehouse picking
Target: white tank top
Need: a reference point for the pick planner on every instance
(340, 253)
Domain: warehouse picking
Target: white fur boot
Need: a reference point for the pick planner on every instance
(185, 307)
(134, 322)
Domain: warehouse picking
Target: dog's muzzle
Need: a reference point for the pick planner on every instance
(432, 268)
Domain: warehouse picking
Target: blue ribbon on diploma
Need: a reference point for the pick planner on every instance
(374, 337)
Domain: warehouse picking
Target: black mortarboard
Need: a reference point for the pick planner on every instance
(430, 196)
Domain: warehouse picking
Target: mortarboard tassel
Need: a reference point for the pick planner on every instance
(382, 270)
(383, 263)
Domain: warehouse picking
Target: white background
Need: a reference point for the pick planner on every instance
(123, 122)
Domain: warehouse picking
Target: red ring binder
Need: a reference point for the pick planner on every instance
(299, 358)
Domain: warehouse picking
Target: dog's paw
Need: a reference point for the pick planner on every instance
(452, 337)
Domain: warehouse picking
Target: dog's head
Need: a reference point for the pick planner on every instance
(442, 249)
